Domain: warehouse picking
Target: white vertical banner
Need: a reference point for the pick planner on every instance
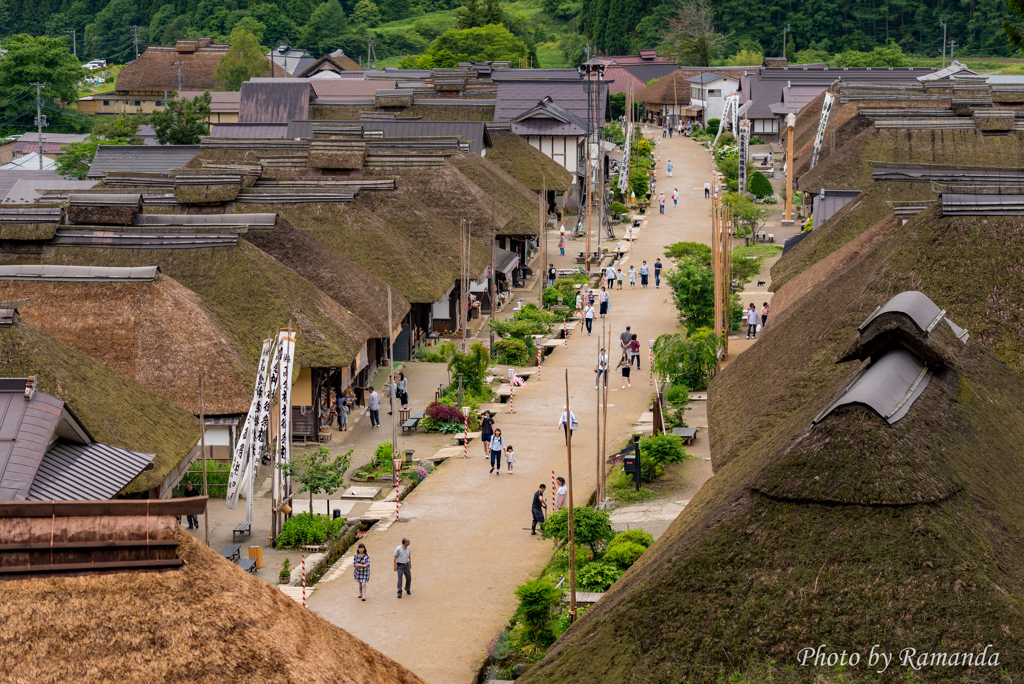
(260, 434)
(826, 109)
(286, 342)
(734, 114)
(744, 149)
(241, 462)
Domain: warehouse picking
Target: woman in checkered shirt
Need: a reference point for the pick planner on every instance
(361, 569)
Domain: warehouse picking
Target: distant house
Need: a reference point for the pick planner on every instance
(555, 131)
(290, 61)
(223, 105)
(28, 143)
(160, 72)
(708, 92)
(330, 66)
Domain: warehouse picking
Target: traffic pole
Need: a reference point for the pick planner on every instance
(303, 580)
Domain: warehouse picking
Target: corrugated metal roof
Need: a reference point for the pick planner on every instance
(249, 130)
(25, 191)
(828, 202)
(85, 472)
(330, 88)
(473, 132)
(964, 204)
(29, 162)
(9, 178)
(62, 138)
(48, 147)
(141, 158)
(709, 77)
(80, 274)
(108, 239)
(505, 260)
(26, 426)
(517, 96)
(649, 72)
(889, 386)
(274, 101)
(548, 118)
(252, 220)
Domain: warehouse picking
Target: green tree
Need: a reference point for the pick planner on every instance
(590, 527)
(687, 360)
(280, 27)
(888, 56)
(28, 60)
(491, 13)
(182, 122)
(318, 472)
(325, 26)
(244, 59)
(113, 21)
(481, 44)
(536, 599)
(366, 13)
(77, 158)
(748, 216)
(692, 37)
(759, 185)
(254, 26)
(472, 365)
(123, 126)
(693, 291)
(468, 15)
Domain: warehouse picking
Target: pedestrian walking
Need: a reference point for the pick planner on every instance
(707, 189)
(497, 446)
(486, 430)
(645, 271)
(193, 520)
(602, 367)
(764, 315)
(675, 197)
(537, 509)
(624, 365)
(609, 275)
(751, 322)
(664, 130)
(561, 494)
(588, 317)
(603, 298)
(634, 351)
(510, 458)
(403, 566)
(661, 203)
(657, 274)
(403, 390)
(624, 337)
(568, 422)
(552, 274)
(579, 302)
(632, 278)
(618, 278)
(561, 242)
(361, 569)
(343, 409)
(373, 406)
(668, 167)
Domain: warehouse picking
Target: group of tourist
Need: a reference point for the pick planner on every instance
(539, 507)
(401, 564)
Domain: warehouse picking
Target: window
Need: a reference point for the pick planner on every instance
(138, 103)
(106, 103)
(714, 93)
(126, 102)
(158, 103)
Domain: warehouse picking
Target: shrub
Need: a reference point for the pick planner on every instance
(714, 123)
(757, 140)
(624, 554)
(536, 599)
(513, 352)
(730, 167)
(439, 354)
(677, 394)
(286, 571)
(663, 449)
(641, 537)
(650, 469)
(759, 185)
(733, 186)
(217, 473)
(560, 561)
(418, 474)
(591, 526)
(441, 413)
(304, 529)
(597, 576)
(617, 208)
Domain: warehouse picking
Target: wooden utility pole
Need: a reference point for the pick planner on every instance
(463, 298)
(492, 286)
(790, 166)
(202, 445)
(597, 425)
(588, 192)
(391, 387)
(543, 237)
(727, 242)
(601, 489)
(572, 532)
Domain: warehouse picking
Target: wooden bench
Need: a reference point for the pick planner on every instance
(410, 425)
(231, 552)
(248, 564)
(687, 434)
(241, 529)
(418, 415)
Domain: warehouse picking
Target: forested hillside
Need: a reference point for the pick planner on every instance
(556, 30)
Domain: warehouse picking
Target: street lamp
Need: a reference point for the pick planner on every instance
(591, 69)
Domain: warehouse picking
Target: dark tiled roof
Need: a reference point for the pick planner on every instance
(8, 177)
(473, 132)
(517, 96)
(709, 77)
(649, 72)
(140, 158)
(547, 118)
(26, 426)
(85, 472)
(274, 101)
(267, 131)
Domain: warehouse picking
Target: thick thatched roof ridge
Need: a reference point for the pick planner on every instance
(523, 203)
(114, 409)
(208, 619)
(525, 163)
(361, 293)
(790, 572)
(156, 333)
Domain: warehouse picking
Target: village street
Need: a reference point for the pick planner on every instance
(469, 530)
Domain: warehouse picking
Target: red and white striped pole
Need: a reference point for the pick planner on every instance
(397, 465)
(565, 335)
(465, 432)
(539, 359)
(511, 390)
(650, 363)
(552, 491)
(303, 580)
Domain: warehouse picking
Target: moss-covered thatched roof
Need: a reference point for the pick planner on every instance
(523, 204)
(206, 621)
(246, 293)
(114, 409)
(851, 532)
(527, 164)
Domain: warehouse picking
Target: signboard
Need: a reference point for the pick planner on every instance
(826, 109)
(744, 150)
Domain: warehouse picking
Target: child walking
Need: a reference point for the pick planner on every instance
(618, 278)
(510, 458)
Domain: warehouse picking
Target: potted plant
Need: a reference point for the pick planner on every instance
(285, 576)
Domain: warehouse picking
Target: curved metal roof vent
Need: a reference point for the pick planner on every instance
(889, 386)
(919, 308)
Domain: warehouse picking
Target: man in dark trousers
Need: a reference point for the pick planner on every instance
(539, 506)
(403, 566)
(657, 274)
(552, 274)
(193, 520)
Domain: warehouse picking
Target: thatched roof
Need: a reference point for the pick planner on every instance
(154, 70)
(528, 165)
(349, 284)
(523, 203)
(245, 293)
(207, 621)
(669, 89)
(851, 530)
(156, 333)
(114, 409)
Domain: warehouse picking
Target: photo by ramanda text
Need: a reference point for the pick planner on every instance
(880, 660)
